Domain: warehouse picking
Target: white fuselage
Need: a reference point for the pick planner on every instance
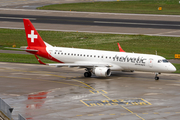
(97, 62)
(117, 60)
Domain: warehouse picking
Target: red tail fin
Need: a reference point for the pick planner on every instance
(33, 38)
(35, 43)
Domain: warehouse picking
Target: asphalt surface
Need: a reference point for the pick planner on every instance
(41, 92)
(156, 24)
(114, 23)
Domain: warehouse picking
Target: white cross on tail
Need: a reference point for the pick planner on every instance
(32, 36)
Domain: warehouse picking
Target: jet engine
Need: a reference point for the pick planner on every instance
(102, 71)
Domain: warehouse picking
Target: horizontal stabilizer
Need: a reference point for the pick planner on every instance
(24, 49)
(31, 50)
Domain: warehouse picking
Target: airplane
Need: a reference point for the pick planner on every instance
(97, 62)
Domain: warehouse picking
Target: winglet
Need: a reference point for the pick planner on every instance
(40, 60)
(120, 49)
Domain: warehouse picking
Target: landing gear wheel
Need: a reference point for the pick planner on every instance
(156, 78)
(87, 74)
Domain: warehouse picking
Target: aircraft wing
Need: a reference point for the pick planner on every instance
(83, 65)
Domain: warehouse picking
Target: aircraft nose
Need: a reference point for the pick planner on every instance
(172, 68)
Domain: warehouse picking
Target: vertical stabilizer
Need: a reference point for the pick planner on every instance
(33, 38)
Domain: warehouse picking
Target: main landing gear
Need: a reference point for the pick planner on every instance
(156, 76)
(88, 73)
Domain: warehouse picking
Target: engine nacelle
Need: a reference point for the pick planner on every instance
(102, 71)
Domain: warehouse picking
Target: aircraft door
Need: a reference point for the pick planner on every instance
(150, 62)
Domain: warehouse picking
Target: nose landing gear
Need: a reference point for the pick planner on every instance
(156, 76)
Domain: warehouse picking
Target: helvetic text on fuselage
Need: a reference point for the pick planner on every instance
(137, 60)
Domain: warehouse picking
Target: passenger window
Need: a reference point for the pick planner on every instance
(55, 52)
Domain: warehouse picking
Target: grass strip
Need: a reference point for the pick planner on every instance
(169, 7)
(21, 58)
(165, 46)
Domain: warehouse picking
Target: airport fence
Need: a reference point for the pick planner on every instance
(6, 110)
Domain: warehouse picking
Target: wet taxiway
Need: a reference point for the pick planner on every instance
(41, 92)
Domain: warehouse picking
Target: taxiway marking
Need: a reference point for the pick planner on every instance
(94, 92)
(92, 103)
(134, 23)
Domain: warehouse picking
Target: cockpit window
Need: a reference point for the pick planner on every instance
(159, 61)
(164, 61)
